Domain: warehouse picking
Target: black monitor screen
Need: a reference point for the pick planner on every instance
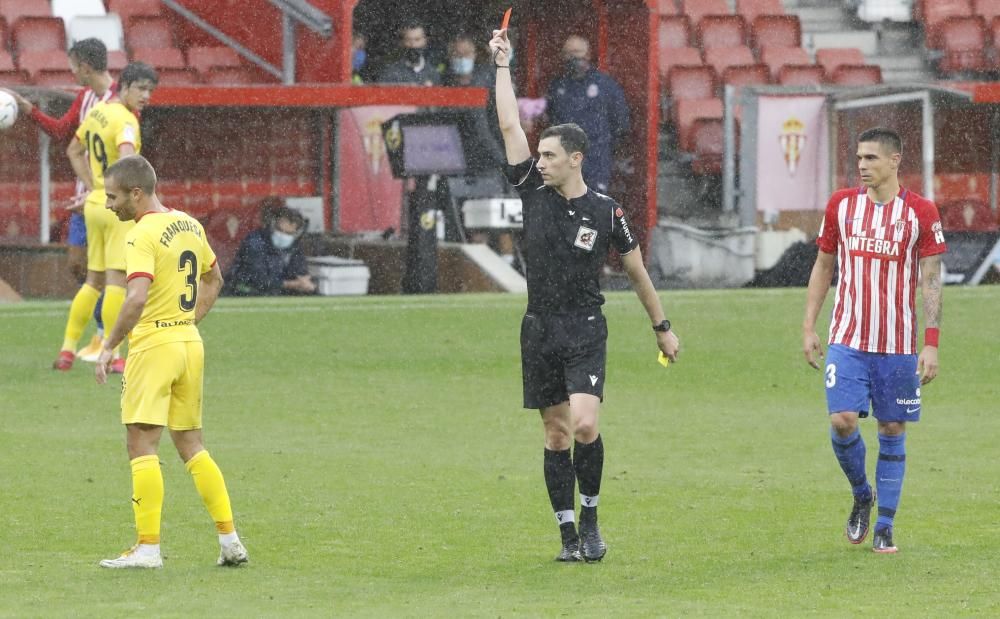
(432, 149)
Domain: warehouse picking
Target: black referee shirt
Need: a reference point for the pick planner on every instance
(566, 242)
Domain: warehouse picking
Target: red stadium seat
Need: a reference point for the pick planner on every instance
(127, 9)
(49, 60)
(149, 33)
(963, 40)
(857, 75)
(117, 60)
(936, 12)
(721, 31)
(801, 75)
(751, 9)
(6, 61)
(203, 58)
(4, 35)
(666, 7)
(776, 31)
(690, 110)
(708, 144)
(36, 34)
(678, 57)
(178, 77)
(721, 58)
(15, 78)
(12, 10)
(746, 75)
(55, 77)
(777, 57)
(674, 31)
(165, 58)
(833, 57)
(967, 215)
(696, 9)
(987, 9)
(691, 82)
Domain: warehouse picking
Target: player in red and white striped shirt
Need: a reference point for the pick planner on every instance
(887, 241)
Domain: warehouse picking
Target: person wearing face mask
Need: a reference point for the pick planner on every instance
(594, 101)
(414, 66)
(270, 260)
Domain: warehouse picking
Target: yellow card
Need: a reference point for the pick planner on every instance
(663, 359)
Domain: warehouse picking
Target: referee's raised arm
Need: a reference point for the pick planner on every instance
(514, 140)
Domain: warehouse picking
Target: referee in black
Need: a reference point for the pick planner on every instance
(568, 231)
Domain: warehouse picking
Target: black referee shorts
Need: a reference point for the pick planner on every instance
(562, 354)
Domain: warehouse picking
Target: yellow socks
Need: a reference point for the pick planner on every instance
(114, 298)
(79, 314)
(147, 497)
(212, 488)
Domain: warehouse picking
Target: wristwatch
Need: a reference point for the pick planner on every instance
(663, 327)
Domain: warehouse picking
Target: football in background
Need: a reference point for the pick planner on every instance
(8, 110)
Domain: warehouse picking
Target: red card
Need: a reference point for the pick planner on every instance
(506, 19)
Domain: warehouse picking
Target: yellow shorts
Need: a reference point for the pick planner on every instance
(162, 386)
(105, 235)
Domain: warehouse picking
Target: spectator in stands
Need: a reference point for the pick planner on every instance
(359, 58)
(270, 260)
(414, 67)
(594, 101)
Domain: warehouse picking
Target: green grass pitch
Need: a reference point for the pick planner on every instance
(380, 465)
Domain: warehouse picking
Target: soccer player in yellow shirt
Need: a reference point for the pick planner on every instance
(173, 280)
(110, 131)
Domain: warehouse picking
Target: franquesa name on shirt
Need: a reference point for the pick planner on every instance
(175, 228)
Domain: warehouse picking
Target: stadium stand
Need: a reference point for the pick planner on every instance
(202, 58)
(776, 31)
(934, 13)
(677, 57)
(777, 57)
(833, 57)
(750, 10)
(967, 215)
(721, 31)
(68, 10)
(107, 28)
(722, 58)
(697, 9)
(178, 77)
(667, 7)
(40, 43)
(127, 9)
(708, 145)
(856, 75)
(963, 42)
(12, 10)
(690, 110)
(800, 75)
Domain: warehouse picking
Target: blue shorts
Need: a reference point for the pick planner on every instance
(889, 382)
(77, 230)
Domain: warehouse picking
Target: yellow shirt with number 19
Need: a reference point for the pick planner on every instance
(105, 129)
(170, 249)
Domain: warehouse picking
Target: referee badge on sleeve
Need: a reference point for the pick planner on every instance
(585, 238)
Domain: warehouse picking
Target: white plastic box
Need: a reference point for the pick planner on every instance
(339, 276)
(493, 213)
